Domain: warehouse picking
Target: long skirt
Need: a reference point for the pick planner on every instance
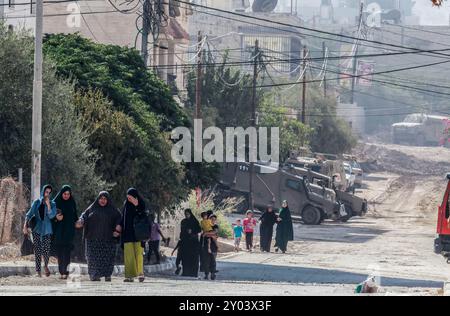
(100, 258)
(134, 259)
(266, 233)
(190, 255)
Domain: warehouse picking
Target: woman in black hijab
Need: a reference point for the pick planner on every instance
(190, 245)
(64, 228)
(100, 222)
(267, 219)
(133, 248)
(285, 230)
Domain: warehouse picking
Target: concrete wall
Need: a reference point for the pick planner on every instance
(354, 116)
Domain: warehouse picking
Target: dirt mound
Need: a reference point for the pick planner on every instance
(404, 160)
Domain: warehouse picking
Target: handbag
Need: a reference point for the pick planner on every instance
(27, 247)
(142, 226)
(31, 223)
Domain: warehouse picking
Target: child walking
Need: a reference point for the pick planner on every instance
(237, 234)
(249, 228)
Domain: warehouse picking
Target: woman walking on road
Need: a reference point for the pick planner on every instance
(100, 222)
(190, 245)
(285, 230)
(133, 248)
(41, 213)
(267, 219)
(64, 228)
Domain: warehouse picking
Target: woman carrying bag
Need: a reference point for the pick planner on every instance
(40, 215)
(135, 230)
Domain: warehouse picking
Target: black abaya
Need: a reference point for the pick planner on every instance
(268, 219)
(285, 231)
(190, 246)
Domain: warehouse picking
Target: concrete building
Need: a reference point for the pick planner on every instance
(238, 37)
(100, 21)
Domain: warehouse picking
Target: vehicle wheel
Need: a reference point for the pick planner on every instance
(438, 247)
(311, 216)
(349, 210)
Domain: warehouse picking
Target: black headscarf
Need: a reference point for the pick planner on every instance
(129, 212)
(64, 231)
(268, 218)
(190, 223)
(134, 193)
(100, 221)
(42, 204)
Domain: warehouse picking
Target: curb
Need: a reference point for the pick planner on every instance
(81, 269)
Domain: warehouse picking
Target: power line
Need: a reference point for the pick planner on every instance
(300, 27)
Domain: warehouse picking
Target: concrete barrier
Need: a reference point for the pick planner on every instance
(7, 270)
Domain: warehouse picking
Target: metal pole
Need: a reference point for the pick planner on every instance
(325, 71)
(198, 84)
(303, 118)
(253, 121)
(145, 31)
(352, 95)
(36, 138)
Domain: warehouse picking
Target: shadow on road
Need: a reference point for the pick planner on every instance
(334, 232)
(237, 271)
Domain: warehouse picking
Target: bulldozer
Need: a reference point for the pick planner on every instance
(442, 241)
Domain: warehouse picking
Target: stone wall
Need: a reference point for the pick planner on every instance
(13, 205)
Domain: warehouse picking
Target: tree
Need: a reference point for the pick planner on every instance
(119, 73)
(130, 155)
(293, 134)
(66, 155)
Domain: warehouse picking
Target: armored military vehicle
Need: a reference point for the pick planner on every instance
(272, 185)
(420, 130)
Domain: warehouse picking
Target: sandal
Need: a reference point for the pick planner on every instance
(128, 280)
(47, 272)
(141, 279)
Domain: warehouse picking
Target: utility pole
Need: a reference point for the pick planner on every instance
(253, 121)
(198, 83)
(354, 78)
(36, 136)
(324, 82)
(145, 31)
(403, 34)
(303, 116)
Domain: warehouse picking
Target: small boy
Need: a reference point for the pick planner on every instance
(205, 223)
(237, 234)
(210, 258)
(249, 228)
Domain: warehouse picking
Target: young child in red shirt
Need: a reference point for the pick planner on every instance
(249, 224)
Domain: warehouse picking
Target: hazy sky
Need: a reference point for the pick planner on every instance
(429, 15)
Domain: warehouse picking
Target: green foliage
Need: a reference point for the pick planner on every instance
(130, 155)
(119, 73)
(293, 134)
(226, 206)
(66, 155)
(222, 102)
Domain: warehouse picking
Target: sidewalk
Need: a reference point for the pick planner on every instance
(22, 268)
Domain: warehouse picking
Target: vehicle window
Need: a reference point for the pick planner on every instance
(294, 185)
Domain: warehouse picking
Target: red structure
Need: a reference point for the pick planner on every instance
(442, 242)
